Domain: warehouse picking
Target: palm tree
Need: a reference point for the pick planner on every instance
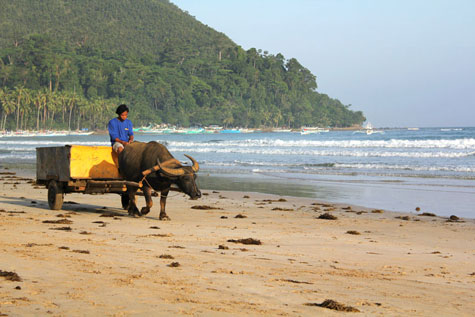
(277, 116)
(53, 106)
(39, 99)
(2, 96)
(8, 105)
(25, 108)
(19, 91)
(72, 99)
(82, 106)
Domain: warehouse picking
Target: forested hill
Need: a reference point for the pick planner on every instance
(136, 27)
(68, 63)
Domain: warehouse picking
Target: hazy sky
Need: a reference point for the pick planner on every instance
(403, 63)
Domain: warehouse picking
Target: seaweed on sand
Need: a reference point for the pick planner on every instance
(10, 276)
(60, 221)
(331, 304)
(282, 209)
(327, 216)
(82, 251)
(246, 241)
(205, 207)
(62, 228)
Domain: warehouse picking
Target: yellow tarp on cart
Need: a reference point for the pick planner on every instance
(93, 162)
(76, 162)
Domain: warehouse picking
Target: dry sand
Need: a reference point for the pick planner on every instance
(113, 264)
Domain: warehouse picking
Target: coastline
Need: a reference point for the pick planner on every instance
(401, 197)
(379, 262)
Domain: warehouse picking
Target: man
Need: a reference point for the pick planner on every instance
(120, 129)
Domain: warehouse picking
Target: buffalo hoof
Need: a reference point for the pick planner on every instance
(134, 212)
(164, 217)
(144, 211)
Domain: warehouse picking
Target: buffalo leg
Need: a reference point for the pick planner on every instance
(163, 202)
(147, 192)
(133, 210)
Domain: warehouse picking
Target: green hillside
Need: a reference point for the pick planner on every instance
(68, 63)
(137, 27)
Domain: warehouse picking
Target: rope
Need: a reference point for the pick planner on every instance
(165, 196)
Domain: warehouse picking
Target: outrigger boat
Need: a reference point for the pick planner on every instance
(312, 130)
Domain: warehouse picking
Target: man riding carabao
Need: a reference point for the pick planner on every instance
(120, 129)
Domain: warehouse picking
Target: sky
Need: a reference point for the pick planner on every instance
(403, 63)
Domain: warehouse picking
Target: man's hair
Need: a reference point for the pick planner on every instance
(122, 108)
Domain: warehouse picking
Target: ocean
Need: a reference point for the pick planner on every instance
(398, 169)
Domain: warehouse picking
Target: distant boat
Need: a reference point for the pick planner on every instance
(413, 129)
(25, 133)
(186, 131)
(230, 131)
(143, 129)
(451, 129)
(151, 131)
(368, 129)
(281, 130)
(79, 133)
(213, 129)
(313, 130)
(194, 131)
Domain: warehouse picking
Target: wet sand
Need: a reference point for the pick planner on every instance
(92, 258)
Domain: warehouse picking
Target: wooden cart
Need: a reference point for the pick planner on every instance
(79, 169)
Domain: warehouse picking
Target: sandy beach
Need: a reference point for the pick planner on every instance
(91, 258)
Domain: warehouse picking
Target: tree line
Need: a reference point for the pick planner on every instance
(27, 109)
(48, 83)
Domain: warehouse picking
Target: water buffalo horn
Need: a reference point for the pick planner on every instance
(171, 171)
(195, 166)
(170, 162)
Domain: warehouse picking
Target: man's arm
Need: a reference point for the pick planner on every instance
(131, 133)
(121, 142)
(113, 131)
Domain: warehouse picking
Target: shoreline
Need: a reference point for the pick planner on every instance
(376, 261)
(390, 196)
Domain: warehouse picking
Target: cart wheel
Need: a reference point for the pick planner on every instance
(55, 195)
(124, 199)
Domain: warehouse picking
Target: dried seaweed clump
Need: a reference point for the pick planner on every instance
(205, 207)
(331, 304)
(246, 241)
(82, 251)
(62, 228)
(327, 216)
(10, 276)
(454, 218)
(282, 209)
(60, 221)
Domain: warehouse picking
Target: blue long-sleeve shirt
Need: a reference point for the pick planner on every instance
(120, 129)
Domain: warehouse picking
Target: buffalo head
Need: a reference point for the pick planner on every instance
(183, 176)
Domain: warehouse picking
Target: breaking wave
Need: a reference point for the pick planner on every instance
(310, 152)
(459, 144)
